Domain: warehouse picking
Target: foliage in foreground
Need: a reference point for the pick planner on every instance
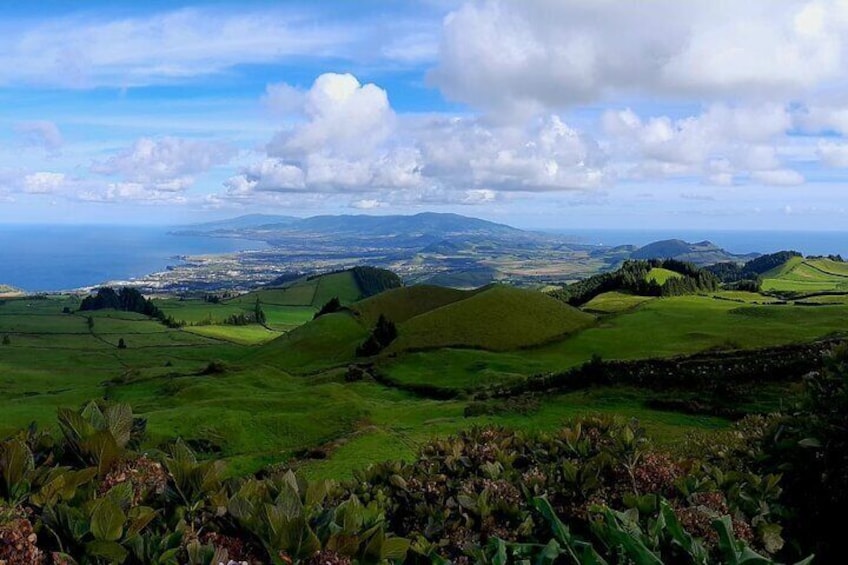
(593, 492)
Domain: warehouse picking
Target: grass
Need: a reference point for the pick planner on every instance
(253, 334)
(401, 304)
(498, 318)
(661, 327)
(799, 275)
(275, 400)
(615, 302)
(329, 341)
(660, 276)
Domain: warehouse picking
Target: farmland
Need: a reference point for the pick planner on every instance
(279, 390)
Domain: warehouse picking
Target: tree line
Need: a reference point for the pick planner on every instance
(633, 277)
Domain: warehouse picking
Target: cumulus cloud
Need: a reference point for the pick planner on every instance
(282, 99)
(507, 56)
(43, 182)
(351, 140)
(344, 117)
(719, 144)
(167, 164)
(41, 133)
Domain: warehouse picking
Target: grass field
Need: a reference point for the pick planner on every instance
(660, 276)
(274, 397)
(401, 304)
(498, 318)
(799, 275)
(661, 327)
(244, 335)
(615, 302)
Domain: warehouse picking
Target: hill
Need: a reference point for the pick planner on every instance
(700, 253)
(401, 304)
(427, 223)
(660, 275)
(654, 277)
(239, 223)
(800, 276)
(497, 318)
(285, 307)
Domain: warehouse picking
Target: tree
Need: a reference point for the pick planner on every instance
(383, 334)
(6, 340)
(258, 314)
(332, 305)
(90, 323)
(122, 344)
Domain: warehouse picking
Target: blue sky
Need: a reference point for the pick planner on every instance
(540, 113)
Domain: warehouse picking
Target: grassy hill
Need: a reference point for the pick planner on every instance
(614, 302)
(285, 307)
(801, 276)
(401, 304)
(660, 275)
(497, 318)
(329, 341)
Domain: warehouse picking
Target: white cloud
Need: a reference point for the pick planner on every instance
(834, 154)
(41, 133)
(43, 182)
(351, 140)
(167, 164)
(366, 204)
(546, 54)
(269, 175)
(778, 177)
(343, 117)
(717, 145)
(85, 51)
(282, 99)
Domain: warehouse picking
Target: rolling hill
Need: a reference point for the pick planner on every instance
(801, 276)
(494, 318)
(401, 304)
(700, 253)
(497, 318)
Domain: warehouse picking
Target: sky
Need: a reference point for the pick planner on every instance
(547, 114)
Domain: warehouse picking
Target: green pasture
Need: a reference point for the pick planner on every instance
(499, 318)
(253, 334)
(660, 276)
(271, 396)
(661, 327)
(799, 275)
(615, 302)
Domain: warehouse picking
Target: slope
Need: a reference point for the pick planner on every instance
(497, 318)
(401, 304)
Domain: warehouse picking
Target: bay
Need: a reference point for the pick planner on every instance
(50, 258)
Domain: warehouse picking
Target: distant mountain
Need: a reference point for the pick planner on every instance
(700, 253)
(241, 222)
(424, 223)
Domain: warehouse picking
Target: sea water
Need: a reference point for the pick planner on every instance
(50, 258)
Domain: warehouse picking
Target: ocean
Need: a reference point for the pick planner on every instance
(50, 258)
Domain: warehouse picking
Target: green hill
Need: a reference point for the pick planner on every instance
(497, 318)
(800, 276)
(401, 304)
(328, 341)
(660, 275)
